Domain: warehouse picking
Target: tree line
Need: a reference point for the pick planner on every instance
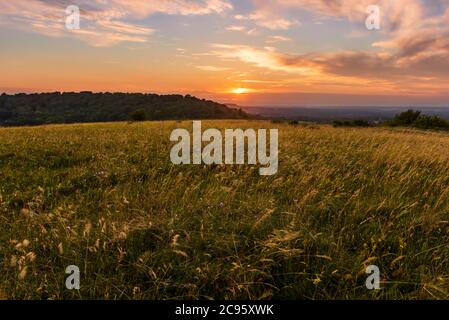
(409, 118)
(73, 107)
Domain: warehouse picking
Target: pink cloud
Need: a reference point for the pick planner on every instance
(102, 22)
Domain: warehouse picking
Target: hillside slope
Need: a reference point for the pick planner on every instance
(105, 197)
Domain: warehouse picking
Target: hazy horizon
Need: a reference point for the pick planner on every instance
(352, 102)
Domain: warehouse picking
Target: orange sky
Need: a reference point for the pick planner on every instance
(252, 52)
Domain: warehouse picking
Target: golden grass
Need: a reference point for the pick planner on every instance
(106, 198)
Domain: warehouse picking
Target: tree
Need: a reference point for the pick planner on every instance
(21, 109)
(406, 118)
(415, 119)
(431, 122)
(139, 115)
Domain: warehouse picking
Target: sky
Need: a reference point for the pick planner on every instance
(247, 52)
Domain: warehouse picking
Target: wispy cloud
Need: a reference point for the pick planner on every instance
(242, 29)
(236, 28)
(262, 58)
(267, 20)
(143, 8)
(274, 39)
(103, 23)
(395, 14)
(212, 68)
(415, 62)
(415, 45)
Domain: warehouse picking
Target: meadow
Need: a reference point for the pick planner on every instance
(106, 197)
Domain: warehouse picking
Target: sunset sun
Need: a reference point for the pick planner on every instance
(240, 90)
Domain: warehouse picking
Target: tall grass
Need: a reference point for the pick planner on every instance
(105, 197)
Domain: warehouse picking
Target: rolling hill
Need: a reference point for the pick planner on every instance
(70, 107)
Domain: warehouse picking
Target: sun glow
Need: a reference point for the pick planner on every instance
(240, 90)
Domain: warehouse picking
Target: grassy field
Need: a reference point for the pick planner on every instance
(105, 197)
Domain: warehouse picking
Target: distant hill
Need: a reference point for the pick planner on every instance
(70, 107)
(329, 114)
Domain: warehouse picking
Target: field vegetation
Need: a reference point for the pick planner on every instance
(105, 197)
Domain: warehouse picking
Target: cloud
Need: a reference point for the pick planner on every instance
(413, 51)
(212, 68)
(394, 14)
(418, 72)
(274, 39)
(143, 8)
(103, 22)
(236, 28)
(267, 20)
(243, 29)
(263, 59)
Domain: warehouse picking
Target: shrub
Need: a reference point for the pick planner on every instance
(353, 123)
(430, 122)
(415, 119)
(139, 115)
(406, 118)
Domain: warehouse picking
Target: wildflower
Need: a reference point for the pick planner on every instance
(122, 235)
(121, 254)
(317, 281)
(60, 248)
(174, 242)
(181, 253)
(25, 243)
(13, 261)
(136, 291)
(23, 273)
(43, 229)
(25, 212)
(87, 228)
(31, 256)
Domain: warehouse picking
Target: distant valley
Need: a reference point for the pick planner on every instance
(329, 114)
